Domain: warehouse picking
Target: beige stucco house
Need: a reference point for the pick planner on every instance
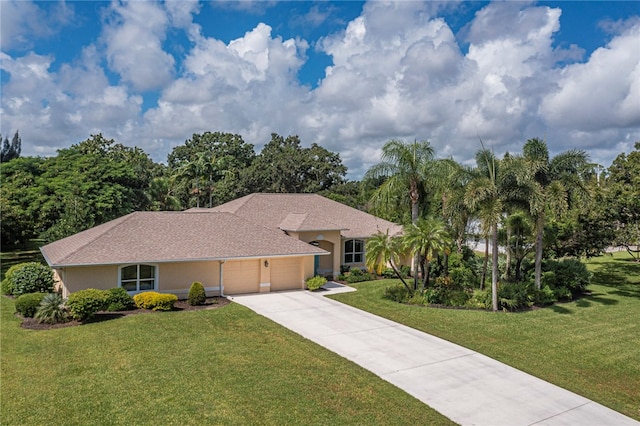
(257, 243)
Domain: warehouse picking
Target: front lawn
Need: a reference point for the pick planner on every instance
(590, 346)
(221, 366)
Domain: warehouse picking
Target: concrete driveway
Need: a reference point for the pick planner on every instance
(467, 387)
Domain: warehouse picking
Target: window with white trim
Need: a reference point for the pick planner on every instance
(135, 278)
(353, 251)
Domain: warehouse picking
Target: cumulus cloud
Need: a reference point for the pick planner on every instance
(52, 110)
(21, 22)
(133, 35)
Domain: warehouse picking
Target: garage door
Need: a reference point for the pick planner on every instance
(285, 274)
(241, 277)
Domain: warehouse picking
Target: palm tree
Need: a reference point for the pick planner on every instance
(160, 195)
(406, 169)
(483, 194)
(192, 171)
(426, 238)
(551, 185)
(383, 249)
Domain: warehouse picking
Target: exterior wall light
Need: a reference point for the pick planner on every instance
(266, 263)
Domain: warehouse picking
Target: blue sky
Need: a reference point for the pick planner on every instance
(347, 75)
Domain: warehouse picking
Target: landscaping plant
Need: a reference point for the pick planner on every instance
(32, 277)
(52, 310)
(84, 304)
(155, 301)
(197, 295)
(118, 299)
(27, 304)
(316, 282)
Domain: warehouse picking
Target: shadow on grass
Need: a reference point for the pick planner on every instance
(561, 310)
(617, 274)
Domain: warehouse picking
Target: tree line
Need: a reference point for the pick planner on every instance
(528, 202)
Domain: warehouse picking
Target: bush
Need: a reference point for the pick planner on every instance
(32, 277)
(341, 277)
(545, 296)
(463, 277)
(397, 293)
(154, 300)
(197, 295)
(568, 278)
(480, 299)
(516, 296)
(52, 310)
(316, 282)
(84, 304)
(389, 272)
(27, 304)
(117, 299)
(8, 283)
(358, 275)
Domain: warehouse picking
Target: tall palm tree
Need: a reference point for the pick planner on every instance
(552, 184)
(426, 238)
(483, 194)
(382, 250)
(406, 169)
(193, 171)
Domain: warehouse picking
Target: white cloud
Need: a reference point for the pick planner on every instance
(21, 22)
(133, 35)
(52, 110)
(602, 93)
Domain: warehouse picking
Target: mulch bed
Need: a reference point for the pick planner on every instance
(180, 305)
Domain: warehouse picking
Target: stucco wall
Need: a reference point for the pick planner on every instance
(177, 277)
(82, 277)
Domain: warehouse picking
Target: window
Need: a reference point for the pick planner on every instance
(353, 251)
(138, 277)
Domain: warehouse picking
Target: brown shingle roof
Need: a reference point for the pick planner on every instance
(173, 236)
(275, 210)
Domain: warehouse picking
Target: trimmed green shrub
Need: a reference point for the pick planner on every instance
(358, 275)
(341, 277)
(118, 300)
(6, 287)
(316, 282)
(154, 300)
(27, 304)
(8, 283)
(84, 304)
(568, 278)
(52, 310)
(32, 277)
(397, 293)
(197, 295)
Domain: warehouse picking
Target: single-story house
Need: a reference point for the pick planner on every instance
(257, 243)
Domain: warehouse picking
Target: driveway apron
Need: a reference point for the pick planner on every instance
(467, 387)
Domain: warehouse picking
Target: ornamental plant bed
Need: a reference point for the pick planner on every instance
(180, 305)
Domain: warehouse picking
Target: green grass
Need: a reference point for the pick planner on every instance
(590, 346)
(222, 366)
